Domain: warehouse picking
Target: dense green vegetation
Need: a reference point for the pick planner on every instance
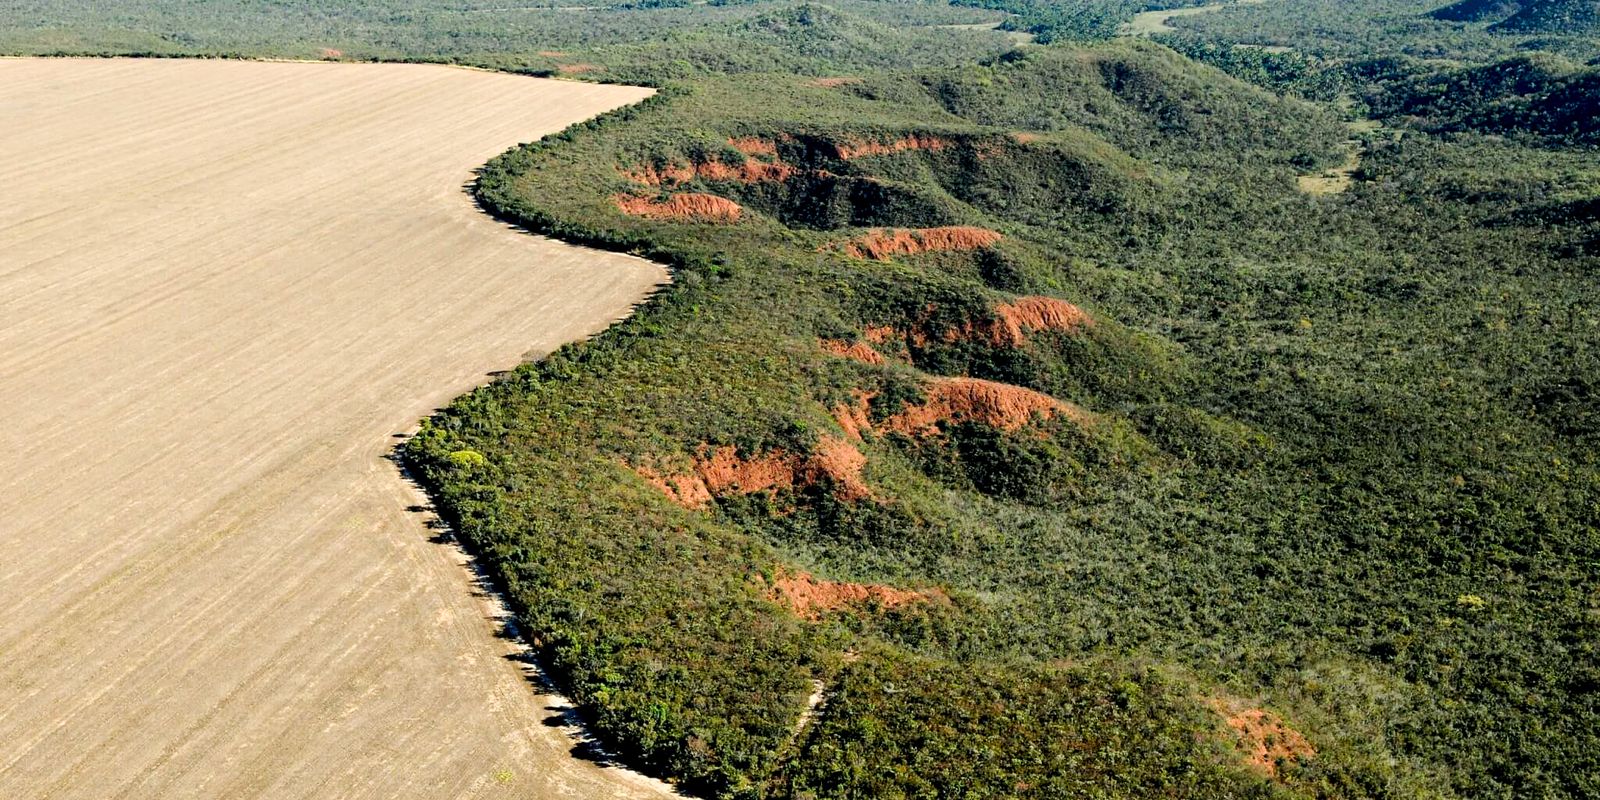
(1411, 593)
(1543, 96)
(1386, 28)
(1335, 460)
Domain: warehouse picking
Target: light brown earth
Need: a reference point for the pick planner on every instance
(224, 287)
(1148, 23)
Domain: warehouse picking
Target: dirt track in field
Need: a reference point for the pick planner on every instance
(224, 287)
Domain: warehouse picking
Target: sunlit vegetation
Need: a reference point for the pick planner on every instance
(1133, 469)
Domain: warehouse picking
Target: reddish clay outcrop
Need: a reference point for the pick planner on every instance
(753, 146)
(330, 53)
(855, 417)
(883, 243)
(751, 171)
(812, 598)
(856, 351)
(1263, 737)
(841, 463)
(878, 334)
(999, 405)
(669, 175)
(1043, 314)
(861, 149)
(1014, 321)
(686, 206)
(688, 491)
(719, 471)
(724, 472)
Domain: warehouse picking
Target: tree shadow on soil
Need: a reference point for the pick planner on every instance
(563, 713)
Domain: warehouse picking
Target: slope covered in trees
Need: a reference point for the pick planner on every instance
(1018, 398)
(1292, 470)
(1553, 16)
(1527, 16)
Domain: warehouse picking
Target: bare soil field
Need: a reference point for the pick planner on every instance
(224, 288)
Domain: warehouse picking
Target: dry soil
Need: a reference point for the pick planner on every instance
(224, 288)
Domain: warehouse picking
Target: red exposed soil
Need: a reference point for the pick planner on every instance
(882, 243)
(754, 146)
(812, 598)
(330, 53)
(862, 149)
(855, 417)
(686, 206)
(651, 175)
(750, 171)
(726, 473)
(1044, 314)
(576, 69)
(834, 83)
(999, 405)
(840, 462)
(1013, 321)
(720, 471)
(857, 351)
(688, 491)
(878, 334)
(1265, 740)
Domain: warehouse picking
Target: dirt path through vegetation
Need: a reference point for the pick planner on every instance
(224, 287)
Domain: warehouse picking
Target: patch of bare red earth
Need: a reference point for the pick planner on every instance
(862, 148)
(1264, 741)
(855, 351)
(688, 206)
(1015, 320)
(753, 170)
(813, 599)
(998, 405)
(754, 146)
(953, 400)
(721, 471)
(881, 244)
(1012, 325)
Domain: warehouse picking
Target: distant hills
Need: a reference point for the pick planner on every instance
(1527, 16)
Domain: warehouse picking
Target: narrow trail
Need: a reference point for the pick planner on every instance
(225, 287)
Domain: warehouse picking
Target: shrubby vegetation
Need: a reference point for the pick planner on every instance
(1328, 460)
(1327, 426)
(1367, 28)
(1541, 95)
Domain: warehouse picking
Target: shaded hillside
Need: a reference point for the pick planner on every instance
(1543, 96)
(1553, 16)
(1527, 16)
(1478, 10)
